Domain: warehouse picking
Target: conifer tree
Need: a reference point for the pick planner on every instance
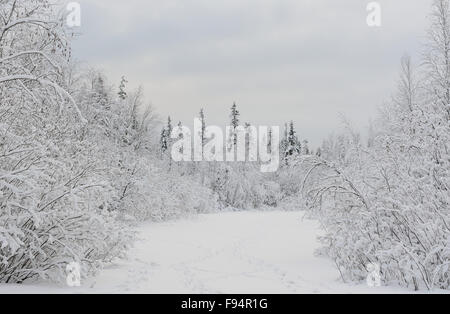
(293, 145)
(270, 141)
(122, 93)
(234, 116)
(166, 133)
(169, 127)
(203, 130)
(163, 140)
(305, 148)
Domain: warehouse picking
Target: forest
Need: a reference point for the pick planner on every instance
(84, 160)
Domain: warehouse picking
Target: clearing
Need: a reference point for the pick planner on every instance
(231, 252)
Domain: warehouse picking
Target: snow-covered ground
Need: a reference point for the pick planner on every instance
(236, 252)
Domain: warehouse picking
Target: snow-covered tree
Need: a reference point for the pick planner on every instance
(293, 143)
(165, 138)
(122, 93)
(203, 130)
(437, 56)
(234, 123)
(52, 198)
(305, 148)
(388, 203)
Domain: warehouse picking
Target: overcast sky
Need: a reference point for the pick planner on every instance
(302, 60)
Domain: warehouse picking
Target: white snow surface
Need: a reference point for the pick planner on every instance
(233, 252)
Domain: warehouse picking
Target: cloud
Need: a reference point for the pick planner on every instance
(279, 59)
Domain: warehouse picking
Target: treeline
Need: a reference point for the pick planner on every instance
(240, 185)
(290, 144)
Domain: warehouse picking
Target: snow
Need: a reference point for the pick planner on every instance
(68, 189)
(234, 252)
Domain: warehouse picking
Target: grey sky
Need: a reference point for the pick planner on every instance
(305, 60)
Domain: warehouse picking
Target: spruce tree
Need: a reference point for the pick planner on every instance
(284, 144)
(181, 135)
(166, 134)
(163, 140)
(305, 148)
(169, 127)
(203, 130)
(293, 146)
(122, 93)
(234, 116)
(270, 141)
(100, 95)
